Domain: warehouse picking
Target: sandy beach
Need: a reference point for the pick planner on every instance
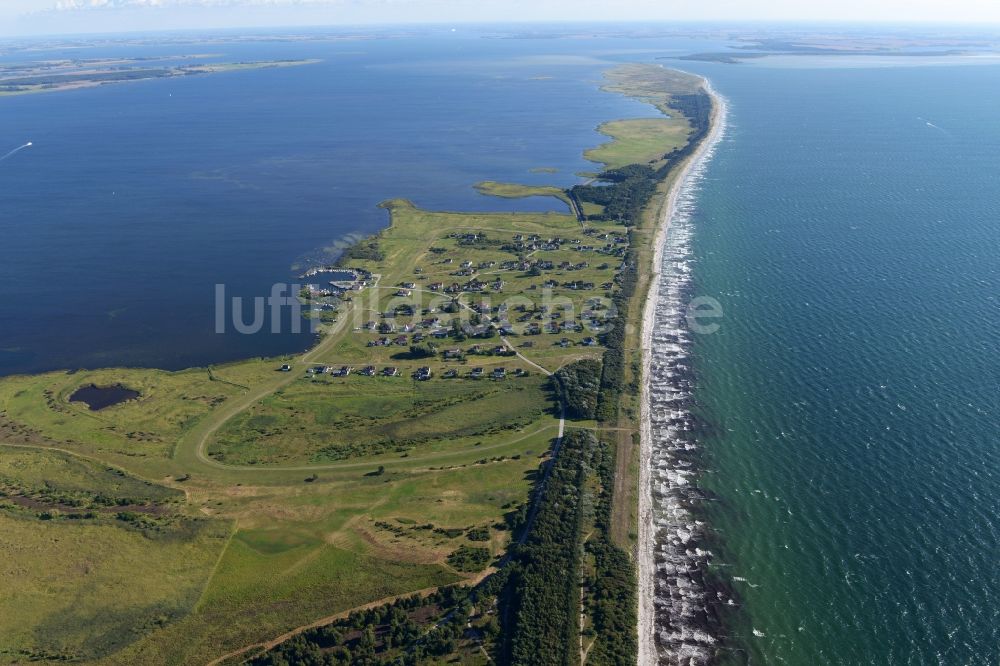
(646, 561)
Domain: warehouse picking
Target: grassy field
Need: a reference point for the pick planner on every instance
(75, 535)
(144, 428)
(515, 191)
(639, 141)
(261, 500)
(81, 589)
(326, 420)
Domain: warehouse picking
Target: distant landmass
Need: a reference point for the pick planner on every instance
(835, 45)
(59, 75)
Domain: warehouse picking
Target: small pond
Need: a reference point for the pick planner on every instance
(101, 397)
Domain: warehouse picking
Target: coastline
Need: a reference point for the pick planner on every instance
(648, 653)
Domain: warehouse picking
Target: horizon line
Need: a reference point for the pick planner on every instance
(368, 25)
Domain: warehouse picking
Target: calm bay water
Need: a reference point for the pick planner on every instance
(136, 199)
(850, 225)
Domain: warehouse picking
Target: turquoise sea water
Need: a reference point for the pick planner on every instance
(850, 403)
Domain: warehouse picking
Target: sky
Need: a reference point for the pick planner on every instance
(26, 17)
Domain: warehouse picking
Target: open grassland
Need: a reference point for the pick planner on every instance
(228, 505)
(91, 558)
(639, 141)
(144, 428)
(317, 548)
(257, 595)
(516, 191)
(327, 420)
(60, 477)
(652, 84)
(80, 589)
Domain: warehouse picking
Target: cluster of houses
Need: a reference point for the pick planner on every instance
(574, 285)
(522, 244)
(437, 331)
(477, 350)
(474, 285)
(479, 373)
(342, 371)
(345, 370)
(492, 321)
(420, 374)
(423, 374)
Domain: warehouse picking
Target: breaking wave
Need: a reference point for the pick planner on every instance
(686, 630)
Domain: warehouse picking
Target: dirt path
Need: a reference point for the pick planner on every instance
(525, 358)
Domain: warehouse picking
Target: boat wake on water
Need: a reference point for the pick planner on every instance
(16, 151)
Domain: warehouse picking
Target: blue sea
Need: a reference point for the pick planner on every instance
(845, 414)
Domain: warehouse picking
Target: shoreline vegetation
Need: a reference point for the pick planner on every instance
(512, 538)
(62, 75)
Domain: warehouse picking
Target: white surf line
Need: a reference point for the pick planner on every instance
(648, 653)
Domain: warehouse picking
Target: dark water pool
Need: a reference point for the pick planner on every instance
(102, 397)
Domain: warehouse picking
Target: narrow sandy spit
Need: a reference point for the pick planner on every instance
(647, 545)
